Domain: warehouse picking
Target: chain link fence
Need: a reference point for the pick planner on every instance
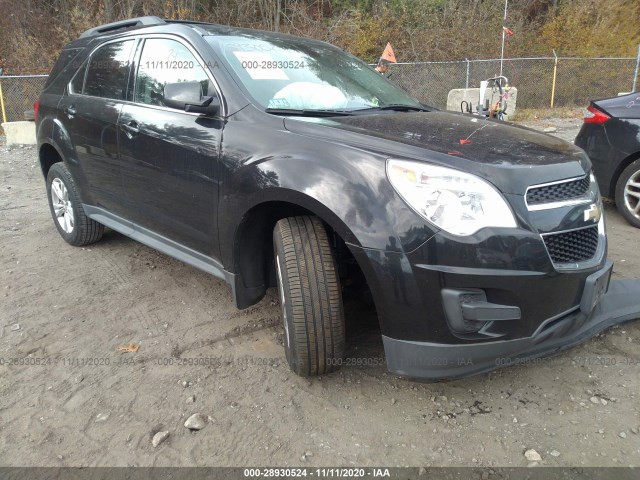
(576, 81)
(19, 94)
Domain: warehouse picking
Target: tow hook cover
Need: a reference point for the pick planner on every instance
(467, 310)
(489, 312)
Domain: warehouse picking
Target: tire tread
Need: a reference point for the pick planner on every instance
(314, 294)
(86, 231)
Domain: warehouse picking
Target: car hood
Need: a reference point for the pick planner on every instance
(495, 150)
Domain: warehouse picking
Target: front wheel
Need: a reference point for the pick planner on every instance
(628, 193)
(310, 296)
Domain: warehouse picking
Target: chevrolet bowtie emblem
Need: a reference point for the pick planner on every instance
(593, 213)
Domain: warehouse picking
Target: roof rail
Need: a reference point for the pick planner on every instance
(131, 22)
(188, 22)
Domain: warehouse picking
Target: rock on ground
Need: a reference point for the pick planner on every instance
(159, 437)
(197, 421)
(532, 455)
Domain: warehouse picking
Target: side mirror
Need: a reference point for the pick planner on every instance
(187, 96)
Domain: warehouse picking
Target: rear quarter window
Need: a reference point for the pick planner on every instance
(65, 58)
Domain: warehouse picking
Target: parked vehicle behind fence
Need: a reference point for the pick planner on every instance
(610, 135)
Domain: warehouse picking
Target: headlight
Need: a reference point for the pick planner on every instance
(455, 201)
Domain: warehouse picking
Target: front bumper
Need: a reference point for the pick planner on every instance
(547, 310)
(433, 361)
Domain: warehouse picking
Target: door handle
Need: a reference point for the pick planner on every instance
(132, 128)
(70, 110)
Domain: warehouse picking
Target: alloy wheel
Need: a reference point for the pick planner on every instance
(632, 194)
(62, 205)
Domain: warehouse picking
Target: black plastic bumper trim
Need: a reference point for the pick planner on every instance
(433, 361)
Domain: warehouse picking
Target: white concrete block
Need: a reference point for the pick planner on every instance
(20, 133)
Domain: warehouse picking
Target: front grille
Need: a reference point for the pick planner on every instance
(573, 246)
(558, 192)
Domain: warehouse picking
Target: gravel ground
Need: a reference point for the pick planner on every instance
(69, 398)
(565, 128)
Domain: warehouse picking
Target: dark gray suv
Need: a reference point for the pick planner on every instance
(273, 160)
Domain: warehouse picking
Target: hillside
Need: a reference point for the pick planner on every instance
(34, 31)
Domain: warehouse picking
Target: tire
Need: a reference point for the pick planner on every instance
(72, 223)
(628, 193)
(310, 296)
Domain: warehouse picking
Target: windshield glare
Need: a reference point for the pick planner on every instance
(285, 74)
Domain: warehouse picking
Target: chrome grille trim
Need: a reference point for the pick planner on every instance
(589, 196)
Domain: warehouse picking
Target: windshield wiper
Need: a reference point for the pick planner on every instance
(399, 107)
(308, 113)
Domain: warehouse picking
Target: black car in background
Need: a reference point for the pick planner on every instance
(274, 160)
(610, 135)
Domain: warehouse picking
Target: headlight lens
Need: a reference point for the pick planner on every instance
(455, 201)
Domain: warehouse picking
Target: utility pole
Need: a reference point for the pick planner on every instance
(504, 21)
(635, 74)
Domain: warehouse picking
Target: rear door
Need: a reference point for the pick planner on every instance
(169, 158)
(89, 112)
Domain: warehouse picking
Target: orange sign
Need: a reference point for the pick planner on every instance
(388, 54)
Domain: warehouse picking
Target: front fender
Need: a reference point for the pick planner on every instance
(267, 173)
(346, 188)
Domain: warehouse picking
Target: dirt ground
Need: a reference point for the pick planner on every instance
(69, 398)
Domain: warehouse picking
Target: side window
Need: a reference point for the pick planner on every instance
(78, 80)
(166, 61)
(107, 70)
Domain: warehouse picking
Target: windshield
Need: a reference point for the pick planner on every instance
(290, 73)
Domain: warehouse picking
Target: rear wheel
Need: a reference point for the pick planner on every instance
(67, 212)
(628, 193)
(310, 296)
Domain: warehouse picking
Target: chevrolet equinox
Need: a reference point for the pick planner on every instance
(267, 160)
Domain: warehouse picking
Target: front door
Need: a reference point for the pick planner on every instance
(169, 158)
